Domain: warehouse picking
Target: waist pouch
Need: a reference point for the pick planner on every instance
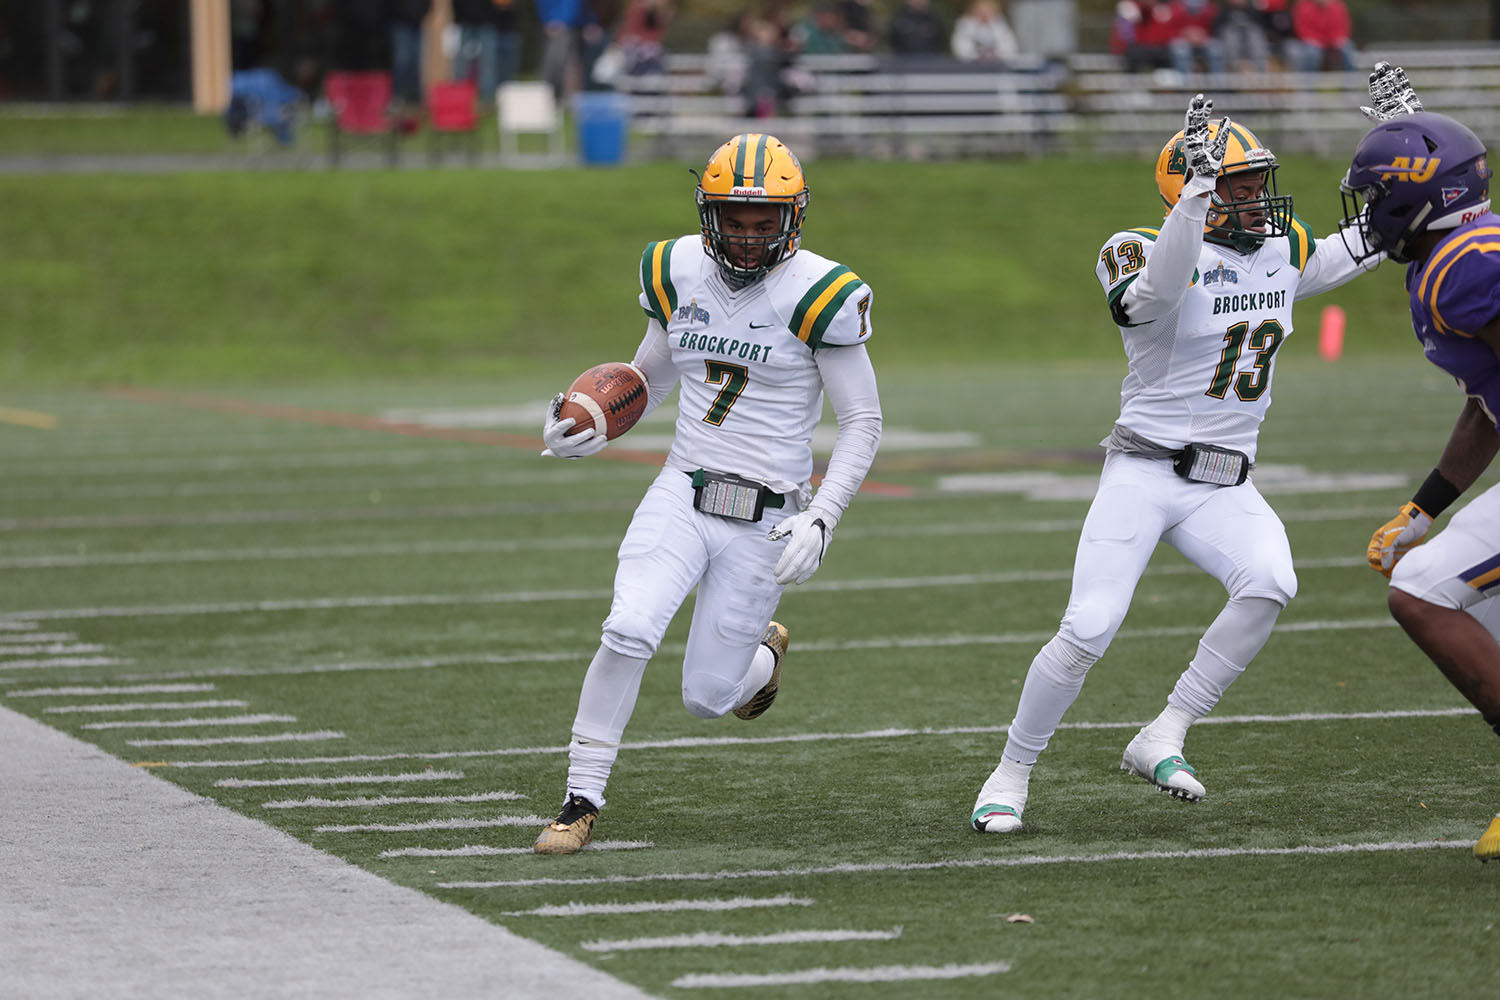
(734, 497)
(1207, 463)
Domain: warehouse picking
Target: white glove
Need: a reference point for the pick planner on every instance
(560, 444)
(1204, 151)
(807, 540)
(1391, 93)
(1397, 537)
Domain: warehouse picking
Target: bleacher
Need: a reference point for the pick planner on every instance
(872, 106)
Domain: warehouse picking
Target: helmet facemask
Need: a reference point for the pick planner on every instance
(733, 252)
(1227, 215)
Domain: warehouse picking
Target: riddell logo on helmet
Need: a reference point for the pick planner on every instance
(748, 190)
(1418, 169)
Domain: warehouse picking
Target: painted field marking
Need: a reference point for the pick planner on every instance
(345, 779)
(98, 689)
(203, 723)
(49, 649)
(212, 741)
(1007, 861)
(594, 594)
(345, 457)
(703, 742)
(7, 642)
(145, 706)
(66, 661)
(74, 559)
(16, 626)
(485, 850)
(27, 418)
(877, 974)
(708, 939)
(650, 906)
(457, 823)
(390, 800)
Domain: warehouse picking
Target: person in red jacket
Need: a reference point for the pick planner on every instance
(1323, 37)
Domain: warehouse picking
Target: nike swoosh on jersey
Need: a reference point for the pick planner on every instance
(1269, 273)
(760, 326)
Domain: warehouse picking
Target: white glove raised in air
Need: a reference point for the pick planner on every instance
(1391, 93)
(807, 540)
(1397, 537)
(1204, 150)
(562, 445)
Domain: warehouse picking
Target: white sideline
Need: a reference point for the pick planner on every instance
(458, 823)
(377, 801)
(145, 706)
(339, 779)
(213, 741)
(93, 689)
(657, 906)
(1005, 861)
(219, 905)
(485, 850)
(709, 939)
(877, 974)
(207, 722)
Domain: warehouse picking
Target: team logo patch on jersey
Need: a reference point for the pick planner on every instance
(1450, 195)
(693, 313)
(1221, 275)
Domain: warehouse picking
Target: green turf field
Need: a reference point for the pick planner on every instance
(401, 625)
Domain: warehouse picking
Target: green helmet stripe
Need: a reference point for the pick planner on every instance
(739, 161)
(762, 154)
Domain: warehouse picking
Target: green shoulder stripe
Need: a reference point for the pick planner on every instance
(656, 279)
(1150, 234)
(1301, 240)
(822, 303)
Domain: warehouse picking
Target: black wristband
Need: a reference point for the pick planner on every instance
(1435, 495)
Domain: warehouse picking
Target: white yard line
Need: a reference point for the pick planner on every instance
(235, 907)
(66, 661)
(456, 823)
(146, 706)
(548, 596)
(49, 649)
(212, 741)
(17, 626)
(8, 641)
(390, 800)
(98, 689)
(877, 974)
(1004, 861)
(656, 906)
(708, 939)
(255, 719)
(485, 850)
(343, 779)
(702, 742)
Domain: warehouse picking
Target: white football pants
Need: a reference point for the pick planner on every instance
(669, 549)
(1459, 567)
(1229, 532)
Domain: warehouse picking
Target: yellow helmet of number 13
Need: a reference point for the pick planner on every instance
(1243, 154)
(752, 168)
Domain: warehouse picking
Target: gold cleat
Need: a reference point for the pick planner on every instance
(573, 828)
(1488, 846)
(775, 639)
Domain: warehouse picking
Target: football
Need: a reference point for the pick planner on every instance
(609, 398)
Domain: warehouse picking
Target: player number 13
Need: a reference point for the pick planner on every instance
(1250, 385)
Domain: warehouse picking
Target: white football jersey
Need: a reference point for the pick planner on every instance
(750, 393)
(1202, 373)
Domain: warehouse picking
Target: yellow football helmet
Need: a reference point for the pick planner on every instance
(752, 168)
(1243, 154)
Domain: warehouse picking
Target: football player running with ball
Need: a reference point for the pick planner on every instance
(754, 329)
(1202, 305)
(1418, 192)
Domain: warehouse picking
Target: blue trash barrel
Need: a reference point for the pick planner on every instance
(603, 120)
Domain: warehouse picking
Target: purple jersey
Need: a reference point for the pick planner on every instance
(1455, 292)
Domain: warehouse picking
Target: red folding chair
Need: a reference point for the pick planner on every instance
(361, 107)
(452, 113)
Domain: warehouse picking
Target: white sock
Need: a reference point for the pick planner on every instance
(1052, 685)
(759, 673)
(1230, 643)
(610, 689)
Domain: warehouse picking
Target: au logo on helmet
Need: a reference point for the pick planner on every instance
(1417, 169)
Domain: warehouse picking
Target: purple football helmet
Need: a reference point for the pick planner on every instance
(1412, 174)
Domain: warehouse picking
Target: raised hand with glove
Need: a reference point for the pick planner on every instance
(1391, 93)
(1203, 149)
(561, 444)
(807, 536)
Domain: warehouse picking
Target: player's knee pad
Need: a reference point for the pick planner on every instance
(709, 696)
(1270, 578)
(1093, 620)
(631, 634)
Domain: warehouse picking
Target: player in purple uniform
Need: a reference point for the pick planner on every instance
(1417, 191)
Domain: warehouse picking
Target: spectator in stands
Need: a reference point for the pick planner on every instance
(764, 92)
(1323, 32)
(562, 28)
(1140, 33)
(916, 29)
(1193, 44)
(821, 32)
(727, 54)
(601, 17)
(643, 35)
(1279, 31)
(860, 34)
(362, 36)
(983, 35)
(489, 46)
(404, 17)
(1241, 30)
